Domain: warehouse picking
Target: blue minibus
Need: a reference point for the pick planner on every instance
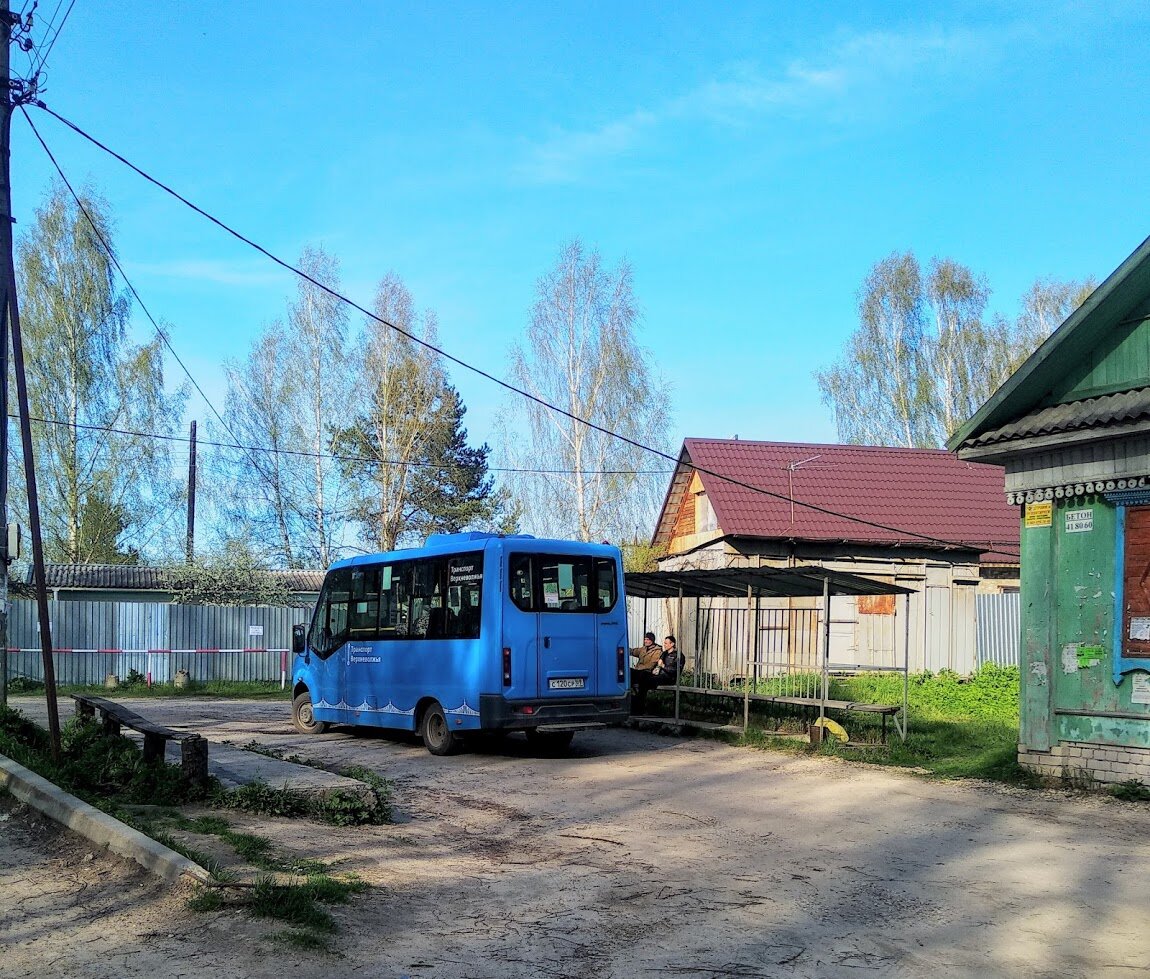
(470, 633)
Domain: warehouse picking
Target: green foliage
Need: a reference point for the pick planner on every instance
(581, 352)
(24, 684)
(992, 693)
(220, 689)
(639, 555)
(925, 356)
(298, 383)
(958, 727)
(92, 765)
(101, 485)
(338, 808)
(233, 576)
(1132, 790)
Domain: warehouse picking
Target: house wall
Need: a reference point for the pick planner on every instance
(942, 628)
(1075, 719)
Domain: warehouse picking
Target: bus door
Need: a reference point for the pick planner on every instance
(566, 626)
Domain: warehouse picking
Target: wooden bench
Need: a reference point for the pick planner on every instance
(886, 710)
(193, 747)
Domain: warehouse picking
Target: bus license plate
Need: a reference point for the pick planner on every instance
(566, 683)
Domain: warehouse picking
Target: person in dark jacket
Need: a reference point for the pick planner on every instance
(664, 672)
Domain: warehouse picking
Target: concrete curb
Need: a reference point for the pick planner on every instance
(97, 826)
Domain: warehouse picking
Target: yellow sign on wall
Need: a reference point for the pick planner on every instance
(1039, 514)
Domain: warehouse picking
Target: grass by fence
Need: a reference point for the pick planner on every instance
(958, 727)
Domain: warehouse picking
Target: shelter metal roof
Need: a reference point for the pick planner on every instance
(802, 582)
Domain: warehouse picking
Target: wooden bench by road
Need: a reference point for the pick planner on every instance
(113, 716)
(886, 710)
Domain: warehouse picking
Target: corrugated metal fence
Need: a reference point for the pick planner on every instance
(94, 639)
(999, 628)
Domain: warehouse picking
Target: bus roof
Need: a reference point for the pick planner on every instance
(474, 540)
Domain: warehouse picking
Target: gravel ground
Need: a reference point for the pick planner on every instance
(635, 855)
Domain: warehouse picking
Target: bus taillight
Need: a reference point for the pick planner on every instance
(620, 663)
(507, 666)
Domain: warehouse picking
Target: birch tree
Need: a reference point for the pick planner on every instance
(404, 386)
(581, 354)
(925, 355)
(106, 494)
(290, 394)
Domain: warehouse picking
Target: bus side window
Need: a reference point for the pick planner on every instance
(363, 614)
(394, 600)
(426, 599)
(605, 584)
(329, 627)
(521, 591)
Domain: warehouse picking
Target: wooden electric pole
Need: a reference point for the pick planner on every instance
(8, 286)
(192, 494)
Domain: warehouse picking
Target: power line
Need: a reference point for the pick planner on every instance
(862, 521)
(115, 260)
(55, 37)
(335, 457)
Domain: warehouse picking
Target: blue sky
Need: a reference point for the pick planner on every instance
(751, 161)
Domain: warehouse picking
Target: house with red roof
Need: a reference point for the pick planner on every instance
(920, 518)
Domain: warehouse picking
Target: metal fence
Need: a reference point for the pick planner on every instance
(92, 640)
(999, 628)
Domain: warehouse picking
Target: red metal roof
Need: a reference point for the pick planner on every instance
(915, 491)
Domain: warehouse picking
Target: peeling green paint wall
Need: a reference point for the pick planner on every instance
(1068, 619)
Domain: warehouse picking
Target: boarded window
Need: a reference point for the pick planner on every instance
(876, 604)
(1136, 584)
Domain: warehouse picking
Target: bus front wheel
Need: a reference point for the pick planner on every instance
(303, 717)
(438, 738)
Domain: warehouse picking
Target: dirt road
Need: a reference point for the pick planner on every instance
(640, 855)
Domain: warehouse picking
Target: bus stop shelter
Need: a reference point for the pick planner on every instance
(798, 680)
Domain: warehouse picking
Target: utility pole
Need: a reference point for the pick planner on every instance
(191, 550)
(8, 285)
(6, 220)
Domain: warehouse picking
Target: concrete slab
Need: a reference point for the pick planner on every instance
(232, 764)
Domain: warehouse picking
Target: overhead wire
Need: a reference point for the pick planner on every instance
(55, 37)
(506, 385)
(160, 332)
(336, 457)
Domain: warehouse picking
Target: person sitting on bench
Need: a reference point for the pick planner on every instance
(656, 668)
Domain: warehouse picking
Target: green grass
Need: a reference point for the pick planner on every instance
(958, 727)
(223, 689)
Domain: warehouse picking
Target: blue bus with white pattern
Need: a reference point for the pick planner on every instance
(470, 633)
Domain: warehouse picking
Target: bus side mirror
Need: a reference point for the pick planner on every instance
(298, 634)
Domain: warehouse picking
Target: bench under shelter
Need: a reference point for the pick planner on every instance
(768, 637)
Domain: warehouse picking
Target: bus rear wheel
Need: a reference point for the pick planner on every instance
(303, 717)
(438, 738)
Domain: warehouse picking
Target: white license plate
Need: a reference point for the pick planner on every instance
(566, 683)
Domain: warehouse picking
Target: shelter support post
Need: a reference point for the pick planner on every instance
(752, 658)
(826, 647)
(678, 636)
(900, 722)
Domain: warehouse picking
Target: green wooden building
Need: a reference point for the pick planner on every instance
(1072, 428)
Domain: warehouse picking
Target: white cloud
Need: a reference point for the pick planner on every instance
(213, 272)
(855, 76)
(565, 154)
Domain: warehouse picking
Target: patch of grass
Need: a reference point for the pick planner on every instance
(305, 941)
(1132, 790)
(224, 689)
(207, 899)
(338, 808)
(958, 727)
